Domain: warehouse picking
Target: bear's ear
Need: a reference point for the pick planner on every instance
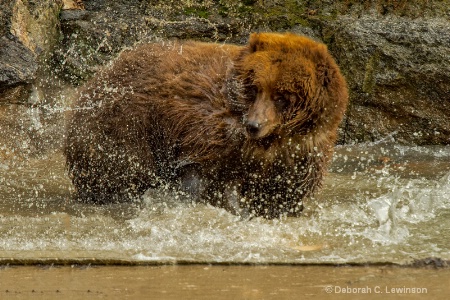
(256, 42)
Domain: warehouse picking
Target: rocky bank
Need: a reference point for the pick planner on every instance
(395, 54)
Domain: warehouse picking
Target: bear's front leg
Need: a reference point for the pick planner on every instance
(190, 181)
(234, 202)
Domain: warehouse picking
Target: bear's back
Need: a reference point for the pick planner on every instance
(192, 71)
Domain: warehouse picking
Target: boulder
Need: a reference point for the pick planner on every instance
(398, 72)
(29, 30)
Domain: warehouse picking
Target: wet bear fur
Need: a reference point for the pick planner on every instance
(248, 128)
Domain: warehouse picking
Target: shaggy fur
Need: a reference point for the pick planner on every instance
(250, 129)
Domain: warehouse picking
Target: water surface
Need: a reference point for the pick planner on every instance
(381, 202)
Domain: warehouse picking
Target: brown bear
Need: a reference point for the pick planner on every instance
(248, 128)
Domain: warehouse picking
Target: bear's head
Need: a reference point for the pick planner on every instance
(288, 83)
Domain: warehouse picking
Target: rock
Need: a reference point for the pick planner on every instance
(91, 37)
(18, 67)
(73, 4)
(29, 31)
(398, 71)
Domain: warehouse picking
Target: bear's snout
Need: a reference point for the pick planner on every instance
(262, 118)
(252, 128)
(260, 130)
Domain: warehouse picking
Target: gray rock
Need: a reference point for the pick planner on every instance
(17, 63)
(28, 32)
(398, 71)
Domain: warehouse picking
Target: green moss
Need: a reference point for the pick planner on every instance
(200, 12)
(369, 75)
(223, 11)
(236, 9)
(328, 36)
(285, 15)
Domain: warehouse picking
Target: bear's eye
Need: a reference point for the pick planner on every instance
(251, 93)
(282, 101)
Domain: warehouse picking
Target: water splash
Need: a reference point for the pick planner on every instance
(370, 210)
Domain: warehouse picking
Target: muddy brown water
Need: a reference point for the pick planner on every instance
(223, 282)
(379, 204)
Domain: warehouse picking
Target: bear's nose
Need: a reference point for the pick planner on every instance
(252, 128)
